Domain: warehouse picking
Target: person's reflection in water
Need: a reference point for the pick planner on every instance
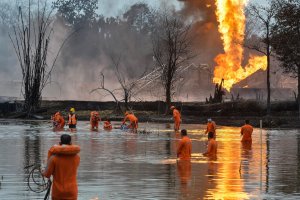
(212, 171)
(184, 169)
(184, 150)
(246, 156)
(246, 146)
(73, 130)
(32, 149)
(246, 153)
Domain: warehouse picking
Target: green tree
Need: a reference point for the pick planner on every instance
(77, 12)
(286, 38)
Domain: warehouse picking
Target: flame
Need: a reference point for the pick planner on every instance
(231, 18)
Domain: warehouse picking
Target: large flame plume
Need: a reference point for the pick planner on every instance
(231, 18)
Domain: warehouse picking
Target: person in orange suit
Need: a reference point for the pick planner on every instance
(72, 118)
(211, 147)
(94, 120)
(176, 117)
(58, 121)
(184, 149)
(133, 121)
(63, 162)
(107, 124)
(211, 127)
(246, 132)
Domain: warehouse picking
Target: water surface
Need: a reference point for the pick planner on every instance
(123, 165)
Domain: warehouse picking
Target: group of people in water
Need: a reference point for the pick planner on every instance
(63, 159)
(185, 144)
(59, 121)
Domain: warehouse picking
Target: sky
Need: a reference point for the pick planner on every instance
(113, 8)
(116, 7)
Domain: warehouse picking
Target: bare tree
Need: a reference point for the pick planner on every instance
(171, 49)
(31, 42)
(127, 87)
(264, 18)
(111, 92)
(31, 38)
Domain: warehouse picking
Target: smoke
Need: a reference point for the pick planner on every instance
(10, 82)
(89, 51)
(204, 28)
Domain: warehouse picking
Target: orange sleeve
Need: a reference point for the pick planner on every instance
(50, 152)
(50, 167)
(242, 130)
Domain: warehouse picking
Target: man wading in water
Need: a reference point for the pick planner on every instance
(63, 162)
(72, 119)
(184, 148)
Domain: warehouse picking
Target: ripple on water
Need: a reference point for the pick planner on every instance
(118, 165)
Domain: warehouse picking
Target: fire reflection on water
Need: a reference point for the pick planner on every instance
(118, 165)
(236, 173)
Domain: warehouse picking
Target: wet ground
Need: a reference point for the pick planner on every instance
(123, 165)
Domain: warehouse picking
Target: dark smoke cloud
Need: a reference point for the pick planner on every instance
(205, 28)
(77, 70)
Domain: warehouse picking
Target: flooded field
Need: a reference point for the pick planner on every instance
(123, 165)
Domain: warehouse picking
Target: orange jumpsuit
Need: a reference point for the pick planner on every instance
(94, 120)
(211, 127)
(133, 121)
(211, 148)
(58, 121)
(107, 125)
(63, 161)
(184, 149)
(246, 132)
(72, 120)
(177, 119)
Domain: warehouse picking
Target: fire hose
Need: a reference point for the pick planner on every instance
(36, 177)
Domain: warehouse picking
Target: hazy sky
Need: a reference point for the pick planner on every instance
(116, 7)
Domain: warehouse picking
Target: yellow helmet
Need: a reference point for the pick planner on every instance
(172, 107)
(72, 110)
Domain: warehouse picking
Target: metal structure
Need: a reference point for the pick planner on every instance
(157, 73)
